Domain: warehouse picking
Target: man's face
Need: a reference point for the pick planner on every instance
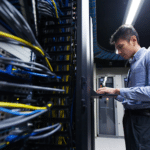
(125, 48)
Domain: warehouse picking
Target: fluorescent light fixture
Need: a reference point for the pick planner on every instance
(132, 11)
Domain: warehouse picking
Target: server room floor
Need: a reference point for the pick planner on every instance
(102, 143)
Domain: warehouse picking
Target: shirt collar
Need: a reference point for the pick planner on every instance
(138, 54)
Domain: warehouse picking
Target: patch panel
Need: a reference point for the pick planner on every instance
(10, 50)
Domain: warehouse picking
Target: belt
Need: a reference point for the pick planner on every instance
(145, 112)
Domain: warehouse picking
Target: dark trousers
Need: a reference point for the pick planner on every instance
(137, 130)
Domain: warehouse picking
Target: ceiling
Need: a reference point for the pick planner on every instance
(110, 15)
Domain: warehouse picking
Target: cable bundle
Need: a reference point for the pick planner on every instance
(14, 136)
(19, 113)
(44, 8)
(37, 49)
(27, 66)
(49, 8)
(19, 134)
(17, 22)
(23, 117)
(19, 25)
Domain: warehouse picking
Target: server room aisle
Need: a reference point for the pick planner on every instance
(102, 143)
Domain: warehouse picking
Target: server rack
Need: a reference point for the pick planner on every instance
(69, 45)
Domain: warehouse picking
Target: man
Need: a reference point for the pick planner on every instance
(136, 97)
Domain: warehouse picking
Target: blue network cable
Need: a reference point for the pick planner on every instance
(35, 74)
(18, 113)
(5, 74)
(13, 138)
(59, 11)
(30, 73)
(50, 3)
(8, 71)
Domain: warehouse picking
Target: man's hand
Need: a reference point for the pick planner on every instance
(107, 90)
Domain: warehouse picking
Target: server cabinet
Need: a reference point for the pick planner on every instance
(58, 79)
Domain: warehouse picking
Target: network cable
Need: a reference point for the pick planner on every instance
(46, 134)
(11, 41)
(28, 63)
(26, 67)
(32, 136)
(13, 119)
(3, 34)
(46, 128)
(4, 125)
(17, 22)
(5, 59)
(45, 8)
(18, 113)
(52, 4)
(3, 83)
(35, 74)
(30, 73)
(59, 11)
(19, 105)
(44, 12)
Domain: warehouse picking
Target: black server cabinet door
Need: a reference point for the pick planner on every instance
(84, 107)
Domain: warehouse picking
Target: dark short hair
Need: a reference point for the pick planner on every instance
(124, 32)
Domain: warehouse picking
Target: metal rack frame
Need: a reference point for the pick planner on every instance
(84, 102)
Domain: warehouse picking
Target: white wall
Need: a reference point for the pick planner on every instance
(118, 74)
(119, 110)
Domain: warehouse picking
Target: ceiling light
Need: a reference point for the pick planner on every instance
(132, 11)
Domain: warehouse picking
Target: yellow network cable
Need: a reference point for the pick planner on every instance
(3, 34)
(50, 67)
(55, 9)
(19, 105)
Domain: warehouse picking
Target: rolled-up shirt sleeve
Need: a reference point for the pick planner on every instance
(136, 93)
(119, 98)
